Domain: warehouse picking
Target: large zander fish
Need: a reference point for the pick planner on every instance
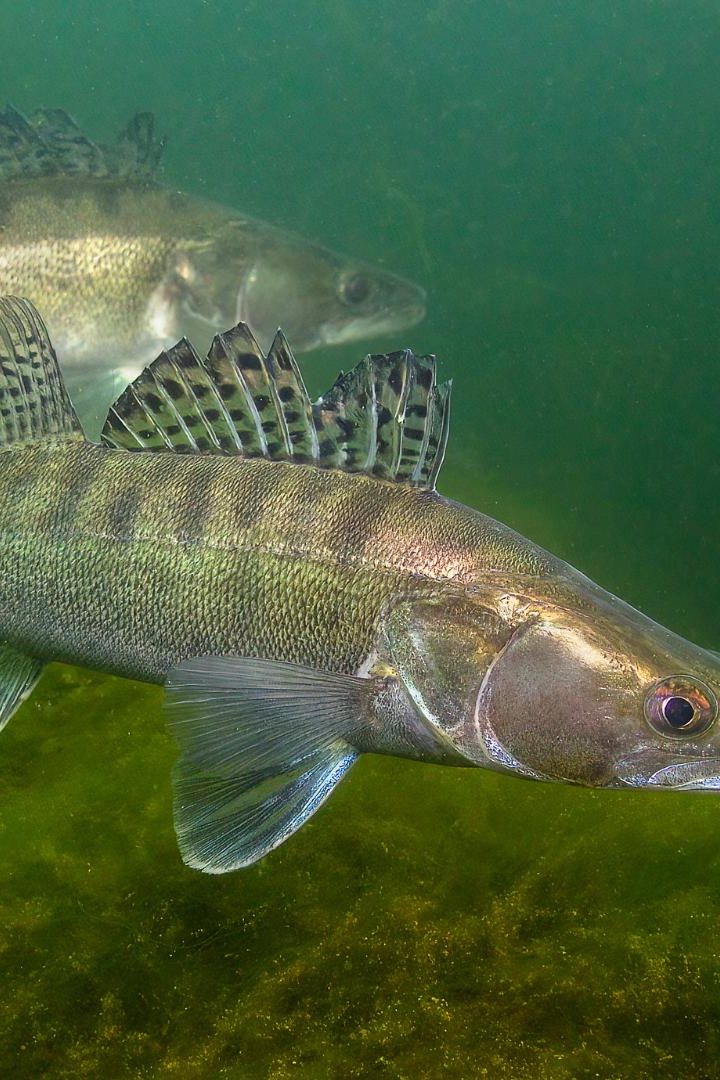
(122, 267)
(288, 571)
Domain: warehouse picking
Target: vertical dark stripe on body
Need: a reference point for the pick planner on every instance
(77, 487)
(253, 498)
(123, 512)
(195, 503)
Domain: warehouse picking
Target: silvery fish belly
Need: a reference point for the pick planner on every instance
(289, 573)
(123, 267)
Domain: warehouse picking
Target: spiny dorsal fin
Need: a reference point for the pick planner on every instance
(387, 417)
(22, 151)
(51, 143)
(34, 403)
(73, 153)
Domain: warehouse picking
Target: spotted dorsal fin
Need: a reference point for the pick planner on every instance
(387, 417)
(34, 403)
(51, 143)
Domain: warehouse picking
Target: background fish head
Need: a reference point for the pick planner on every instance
(574, 687)
(257, 274)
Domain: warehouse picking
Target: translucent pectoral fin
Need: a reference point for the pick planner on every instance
(226, 822)
(263, 745)
(18, 675)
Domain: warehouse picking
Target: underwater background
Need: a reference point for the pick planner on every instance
(549, 172)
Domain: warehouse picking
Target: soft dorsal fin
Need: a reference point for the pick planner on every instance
(139, 150)
(34, 403)
(51, 143)
(387, 417)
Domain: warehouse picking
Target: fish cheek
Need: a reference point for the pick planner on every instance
(207, 279)
(441, 649)
(548, 708)
(291, 288)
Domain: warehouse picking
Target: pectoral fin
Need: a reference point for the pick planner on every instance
(18, 675)
(263, 745)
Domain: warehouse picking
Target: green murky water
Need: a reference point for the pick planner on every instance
(549, 171)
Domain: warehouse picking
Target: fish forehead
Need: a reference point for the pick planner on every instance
(603, 628)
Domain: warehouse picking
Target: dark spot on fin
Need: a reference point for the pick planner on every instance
(292, 402)
(23, 153)
(139, 150)
(30, 379)
(387, 417)
(72, 152)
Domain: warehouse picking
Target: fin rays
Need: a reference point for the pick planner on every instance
(33, 401)
(386, 417)
(263, 744)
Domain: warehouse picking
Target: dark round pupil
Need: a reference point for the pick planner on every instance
(356, 289)
(678, 711)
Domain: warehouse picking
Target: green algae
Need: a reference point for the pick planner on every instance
(473, 925)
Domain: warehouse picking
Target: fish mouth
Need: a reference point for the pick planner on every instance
(407, 312)
(389, 321)
(643, 770)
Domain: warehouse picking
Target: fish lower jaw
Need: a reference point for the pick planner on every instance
(689, 774)
(359, 329)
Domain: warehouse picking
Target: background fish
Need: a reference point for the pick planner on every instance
(122, 267)
(289, 573)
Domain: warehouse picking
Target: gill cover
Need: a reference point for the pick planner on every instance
(443, 650)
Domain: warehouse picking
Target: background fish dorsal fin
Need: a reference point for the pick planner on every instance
(387, 417)
(51, 143)
(34, 403)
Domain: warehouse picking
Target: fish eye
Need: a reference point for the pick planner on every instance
(681, 706)
(355, 289)
(678, 711)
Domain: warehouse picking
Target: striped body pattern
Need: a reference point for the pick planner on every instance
(287, 571)
(242, 546)
(130, 562)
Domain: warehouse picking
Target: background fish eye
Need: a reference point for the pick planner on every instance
(355, 289)
(681, 706)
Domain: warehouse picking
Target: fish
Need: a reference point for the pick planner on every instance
(122, 266)
(290, 575)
